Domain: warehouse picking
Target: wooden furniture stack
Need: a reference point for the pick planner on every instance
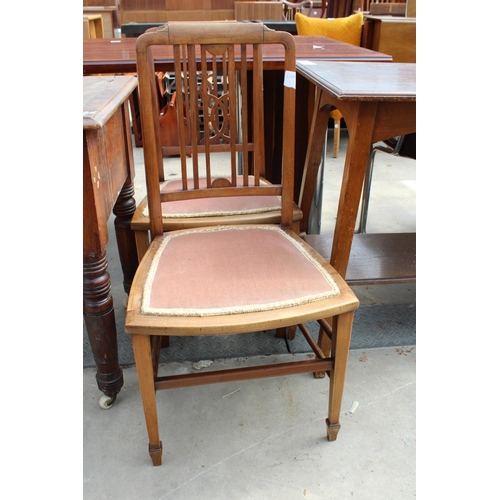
(93, 26)
(175, 10)
(107, 10)
(143, 11)
(102, 57)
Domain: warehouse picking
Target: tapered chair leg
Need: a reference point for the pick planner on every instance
(145, 375)
(340, 351)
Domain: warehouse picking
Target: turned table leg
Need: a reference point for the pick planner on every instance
(101, 327)
(127, 249)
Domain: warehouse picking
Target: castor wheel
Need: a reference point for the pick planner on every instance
(106, 402)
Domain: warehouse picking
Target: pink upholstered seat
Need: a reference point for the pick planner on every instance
(232, 269)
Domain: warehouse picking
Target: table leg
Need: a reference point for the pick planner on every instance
(317, 133)
(360, 120)
(124, 210)
(101, 327)
(124, 207)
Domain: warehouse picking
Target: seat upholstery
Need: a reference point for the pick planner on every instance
(260, 268)
(228, 279)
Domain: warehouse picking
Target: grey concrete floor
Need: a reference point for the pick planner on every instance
(267, 438)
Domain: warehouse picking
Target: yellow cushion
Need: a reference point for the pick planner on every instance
(343, 29)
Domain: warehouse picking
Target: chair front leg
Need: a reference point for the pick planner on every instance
(145, 375)
(340, 352)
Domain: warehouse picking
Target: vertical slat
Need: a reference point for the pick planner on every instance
(206, 113)
(194, 116)
(244, 111)
(179, 65)
(230, 75)
(258, 115)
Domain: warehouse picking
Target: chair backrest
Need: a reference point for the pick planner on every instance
(218, 70)
(291, 7)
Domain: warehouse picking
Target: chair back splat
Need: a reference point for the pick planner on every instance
(219, 86)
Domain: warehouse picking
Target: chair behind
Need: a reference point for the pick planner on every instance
(219, 101)
(291, 7)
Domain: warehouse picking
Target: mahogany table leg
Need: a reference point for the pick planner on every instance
(124, 210)
(100, 321)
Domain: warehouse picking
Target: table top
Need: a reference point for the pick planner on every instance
(102, 95)
(391, 19)
(360, 81)
(119, 55)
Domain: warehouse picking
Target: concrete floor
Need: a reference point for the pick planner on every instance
(267, 438)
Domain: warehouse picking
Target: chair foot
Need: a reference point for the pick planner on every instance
(332, 430)
(155, 454)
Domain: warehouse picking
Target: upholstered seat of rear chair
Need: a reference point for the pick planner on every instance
(212, 207)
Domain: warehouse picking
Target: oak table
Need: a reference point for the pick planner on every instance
(108, 175)
(377, 101)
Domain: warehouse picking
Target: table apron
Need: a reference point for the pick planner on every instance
(105, 172)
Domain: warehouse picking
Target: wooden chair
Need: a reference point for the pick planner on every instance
(184, 214)
(228, 279)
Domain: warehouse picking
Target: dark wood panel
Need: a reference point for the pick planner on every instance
(375, 258)
(99, 3)
(142, 4)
